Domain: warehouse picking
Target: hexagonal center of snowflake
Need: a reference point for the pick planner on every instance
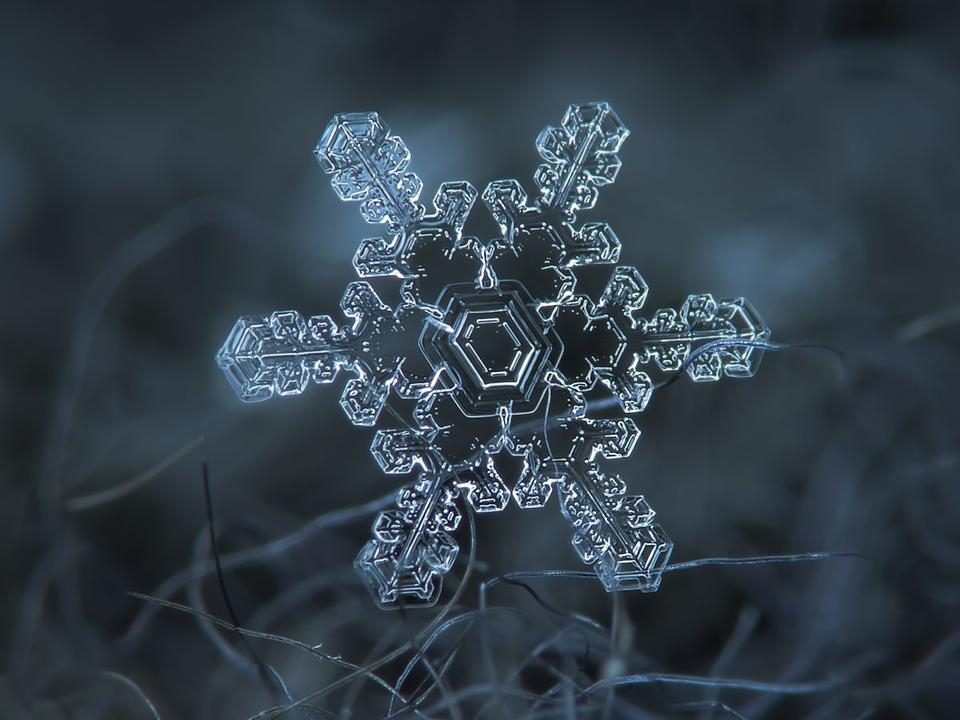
(493, 348)
(494, 345)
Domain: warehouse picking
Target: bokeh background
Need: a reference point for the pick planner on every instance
(156, 182)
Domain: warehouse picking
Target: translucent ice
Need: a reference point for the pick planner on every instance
(492, 349)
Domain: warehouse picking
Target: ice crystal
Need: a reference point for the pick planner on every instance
(481, 353)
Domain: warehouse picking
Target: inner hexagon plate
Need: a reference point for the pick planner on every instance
(492, 346)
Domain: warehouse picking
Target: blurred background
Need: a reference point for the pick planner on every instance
(157, 181)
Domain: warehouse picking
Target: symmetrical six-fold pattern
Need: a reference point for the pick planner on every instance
(482, 346)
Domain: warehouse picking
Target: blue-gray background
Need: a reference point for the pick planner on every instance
(156, 181)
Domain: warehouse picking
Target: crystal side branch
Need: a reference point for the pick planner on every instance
(491, 351)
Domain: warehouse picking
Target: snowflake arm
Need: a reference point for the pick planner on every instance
(279, 354)
(412, 548)
(709, 338)
(538, 238)
(719, 337)
(367, 164)
(614, 532)
(580, 157)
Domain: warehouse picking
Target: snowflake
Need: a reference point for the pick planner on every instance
(493, 372)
